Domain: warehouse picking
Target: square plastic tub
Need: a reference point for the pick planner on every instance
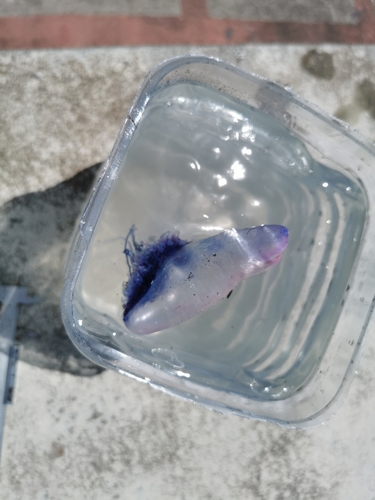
(207, 147)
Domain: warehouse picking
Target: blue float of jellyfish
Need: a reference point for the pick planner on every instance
(172, 280)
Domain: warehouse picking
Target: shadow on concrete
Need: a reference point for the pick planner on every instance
(35, 234)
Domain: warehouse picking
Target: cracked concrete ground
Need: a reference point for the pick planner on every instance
(108, 436)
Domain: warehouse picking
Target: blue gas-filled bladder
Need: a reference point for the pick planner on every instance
(172, 280)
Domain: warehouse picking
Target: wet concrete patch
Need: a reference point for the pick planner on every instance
(365, 96)
(319, 64)
(363, 100)
(35, 234)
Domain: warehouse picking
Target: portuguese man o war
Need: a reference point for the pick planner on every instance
(172, 280)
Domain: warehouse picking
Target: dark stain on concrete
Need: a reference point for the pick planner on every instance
(319, 64)
(365, 96)
(57, 450)
(35, 234)
(363, 100)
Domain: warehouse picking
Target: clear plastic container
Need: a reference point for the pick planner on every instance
(207, 147)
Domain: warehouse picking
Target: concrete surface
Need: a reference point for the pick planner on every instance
(335, 11)
(129, 7)
(35, 234)
(107, 436)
